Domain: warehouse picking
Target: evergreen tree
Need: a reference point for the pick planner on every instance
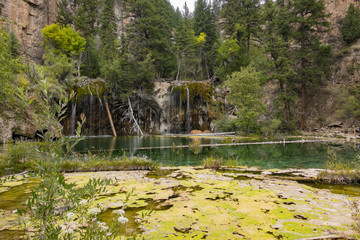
(280, 64)
(150, 33)
(185, 47)
(312, 60)
(177, 17)
(216, 8)
(204, 22)
(108, 33)
(65, 17)
(231, 57)
(84, 17)
(9, 66)
(14, 45)
(350, 26)
(241, 19)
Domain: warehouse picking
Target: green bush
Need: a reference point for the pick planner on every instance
(338, 172)
(270, 126)
(231, 163)
(94, 163)
(226, 125)
(21, 152)
(212, 163)
(348, 106)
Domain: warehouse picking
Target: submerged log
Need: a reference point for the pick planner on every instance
(224, 144)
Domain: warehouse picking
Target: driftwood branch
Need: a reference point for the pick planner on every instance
(131, 112)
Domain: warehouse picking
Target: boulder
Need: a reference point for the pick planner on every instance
(336, 124)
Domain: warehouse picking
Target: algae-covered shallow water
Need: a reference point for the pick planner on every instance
(166, 151)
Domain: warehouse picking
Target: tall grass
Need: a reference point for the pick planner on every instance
(339, 172)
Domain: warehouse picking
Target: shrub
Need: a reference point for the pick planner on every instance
(102, 164)
(338, 172)
(231, 163)
(226, 125)
(270, 126)
(22, 152)
(213, 163)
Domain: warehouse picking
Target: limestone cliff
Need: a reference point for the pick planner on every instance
(29, 16)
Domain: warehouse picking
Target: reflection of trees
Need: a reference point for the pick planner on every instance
(266, 156)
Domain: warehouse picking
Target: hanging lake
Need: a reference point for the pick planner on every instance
(179, 150)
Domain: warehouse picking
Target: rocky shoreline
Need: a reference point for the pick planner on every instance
(231, 203)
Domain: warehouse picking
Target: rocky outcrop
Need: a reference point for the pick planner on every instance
(11, 126)
(338, 10)
(27, 18)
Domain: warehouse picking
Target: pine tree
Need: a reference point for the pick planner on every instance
(280, 67)
(14, 45)
(204, 22)
(241, 19)
(350, 26)
(65, 17)
(108, 33)
(185, 46)
(312, 60)
(216, 8)
(150, 33)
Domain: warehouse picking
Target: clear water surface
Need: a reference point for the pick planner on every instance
(267, 156)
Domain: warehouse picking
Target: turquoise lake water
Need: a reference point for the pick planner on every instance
(267, 156)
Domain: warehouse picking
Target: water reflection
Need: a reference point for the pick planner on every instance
(295, 155)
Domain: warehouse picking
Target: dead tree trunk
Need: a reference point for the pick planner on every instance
(110, 118)
(131, 112)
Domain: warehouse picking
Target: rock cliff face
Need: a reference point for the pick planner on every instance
(345, 57)
(338, 10)
(29, 16)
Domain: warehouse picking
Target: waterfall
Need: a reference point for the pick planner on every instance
(97, 93)
(170, 108)
(188, 115)
(91, 117)
(73, 118)
(89, 89)
(100, 108)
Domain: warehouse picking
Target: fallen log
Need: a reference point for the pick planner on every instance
(221, 144)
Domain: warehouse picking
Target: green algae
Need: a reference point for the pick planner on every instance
(132, 214)
(11, 234)
(207, 205)
(15, 197)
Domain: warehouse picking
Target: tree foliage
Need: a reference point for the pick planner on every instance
(350, 26)
(149, 33)
(63, 39)
(205, 23)
(185, 47)
(246, 94)
(308, 19)
(10, 66)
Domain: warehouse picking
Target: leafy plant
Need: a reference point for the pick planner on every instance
(246, 94)
(21, 152)
(213, 163)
